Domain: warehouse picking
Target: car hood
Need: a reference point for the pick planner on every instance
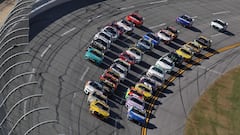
(163, 36)
(164, 65)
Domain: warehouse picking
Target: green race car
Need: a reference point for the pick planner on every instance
(94, 55)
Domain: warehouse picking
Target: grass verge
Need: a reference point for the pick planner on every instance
(218, 109)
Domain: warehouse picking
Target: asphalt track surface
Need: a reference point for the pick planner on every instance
(58, 52)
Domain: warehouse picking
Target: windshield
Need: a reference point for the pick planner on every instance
(158, 70)
(185, 51)
(111, 30)
(128, 57)
(136, 101)
(137, 111)
(145, 80)
(113, 74)
(122, 63)
(135, 51)
(166, 34)
(118, 69)
(96, 85)
(126, 23)
(144, 42)
(99, 96)
(105, 36)
(137, 17)
(167, 62)
(102, 106)
(187, 18)
(220, 22)
(202, 41)
(100, 41)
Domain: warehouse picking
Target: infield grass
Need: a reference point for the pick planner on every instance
(217, 111)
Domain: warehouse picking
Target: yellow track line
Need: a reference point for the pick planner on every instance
(181, 71)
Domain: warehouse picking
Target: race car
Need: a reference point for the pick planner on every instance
(123, 63)
(148, 82)
(136, 53)
(101, 43)
(203, 41)
(152, 38)
(97, 45)
(111, 31)
(144, 45)
(135, 18)
(132, 92)
(186, 53)
(128, 58)
(94, 55)
(173, 30)
(104, 36)
(133, 101)
(107, 81)
(219, 25)
(99, 109)
(137, 115)
(157, 71)
(165, 63)
(96, 95)
(110, 79)
(120, 70)
(158, 81)
(120, 29)
(92, 86)
(177, 59)
(194, 46)
(185, 20)
(126, 25)
(165, 36)
(144, 89)
(112, 73)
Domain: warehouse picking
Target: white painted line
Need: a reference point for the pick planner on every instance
(44, 52)
(156, 2)
(218, 34)
(25, 108)
(221, 12)
(68, 31)
(84, 74)
(89, 20)
(74, 94)
(194, 17)
(208, 69)
(127, 7)
(98, 16)
(43, 5)
(31, 75)
(156, 26)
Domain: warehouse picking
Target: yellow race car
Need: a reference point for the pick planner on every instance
(194, 46)
(144, 89)
(185, 52)
(100, 109)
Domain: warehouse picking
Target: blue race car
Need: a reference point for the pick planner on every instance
(144, 45)
(185, 20)
(137, 115)
(94, 55)
(152, 38)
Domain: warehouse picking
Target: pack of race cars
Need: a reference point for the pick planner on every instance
(137, 95)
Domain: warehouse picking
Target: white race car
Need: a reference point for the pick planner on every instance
(121, 70)
(220, 25)
(123, 63)
(165, 63)
(96, 95)
(136, 53)
(165, 36)
(126, 25)
(104, 36)
(92, 86)
(157, 71)
(112, 31)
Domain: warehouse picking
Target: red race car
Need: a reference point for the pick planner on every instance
(135, 19)
(128, 58)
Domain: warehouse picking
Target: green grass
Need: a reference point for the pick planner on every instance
(218, 109)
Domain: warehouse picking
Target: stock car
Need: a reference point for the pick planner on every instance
(104, 36)
(148, 82)
(121, 70)
(152, 38)
(94, 55)
(203, 41)
(96, 95)
(99, 44)
(144, 89)
(126, 25)
(112, 31)
(128, 58)
(110, 84)
(185, 20)
(119, 29)
(133, 101)
(165, 63)
(137, 115)
(110, 77)
(112, 73)
(135, 18)
(92, 86)
(123, 63)
(186, 53)
(136, 53)
(156, 71)
(177, 59)
(193, 46)
(158, 81)
(100, 109)
(173, 30)
(132, 92)
(144, 45)
(219, 25)
(165, 36)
